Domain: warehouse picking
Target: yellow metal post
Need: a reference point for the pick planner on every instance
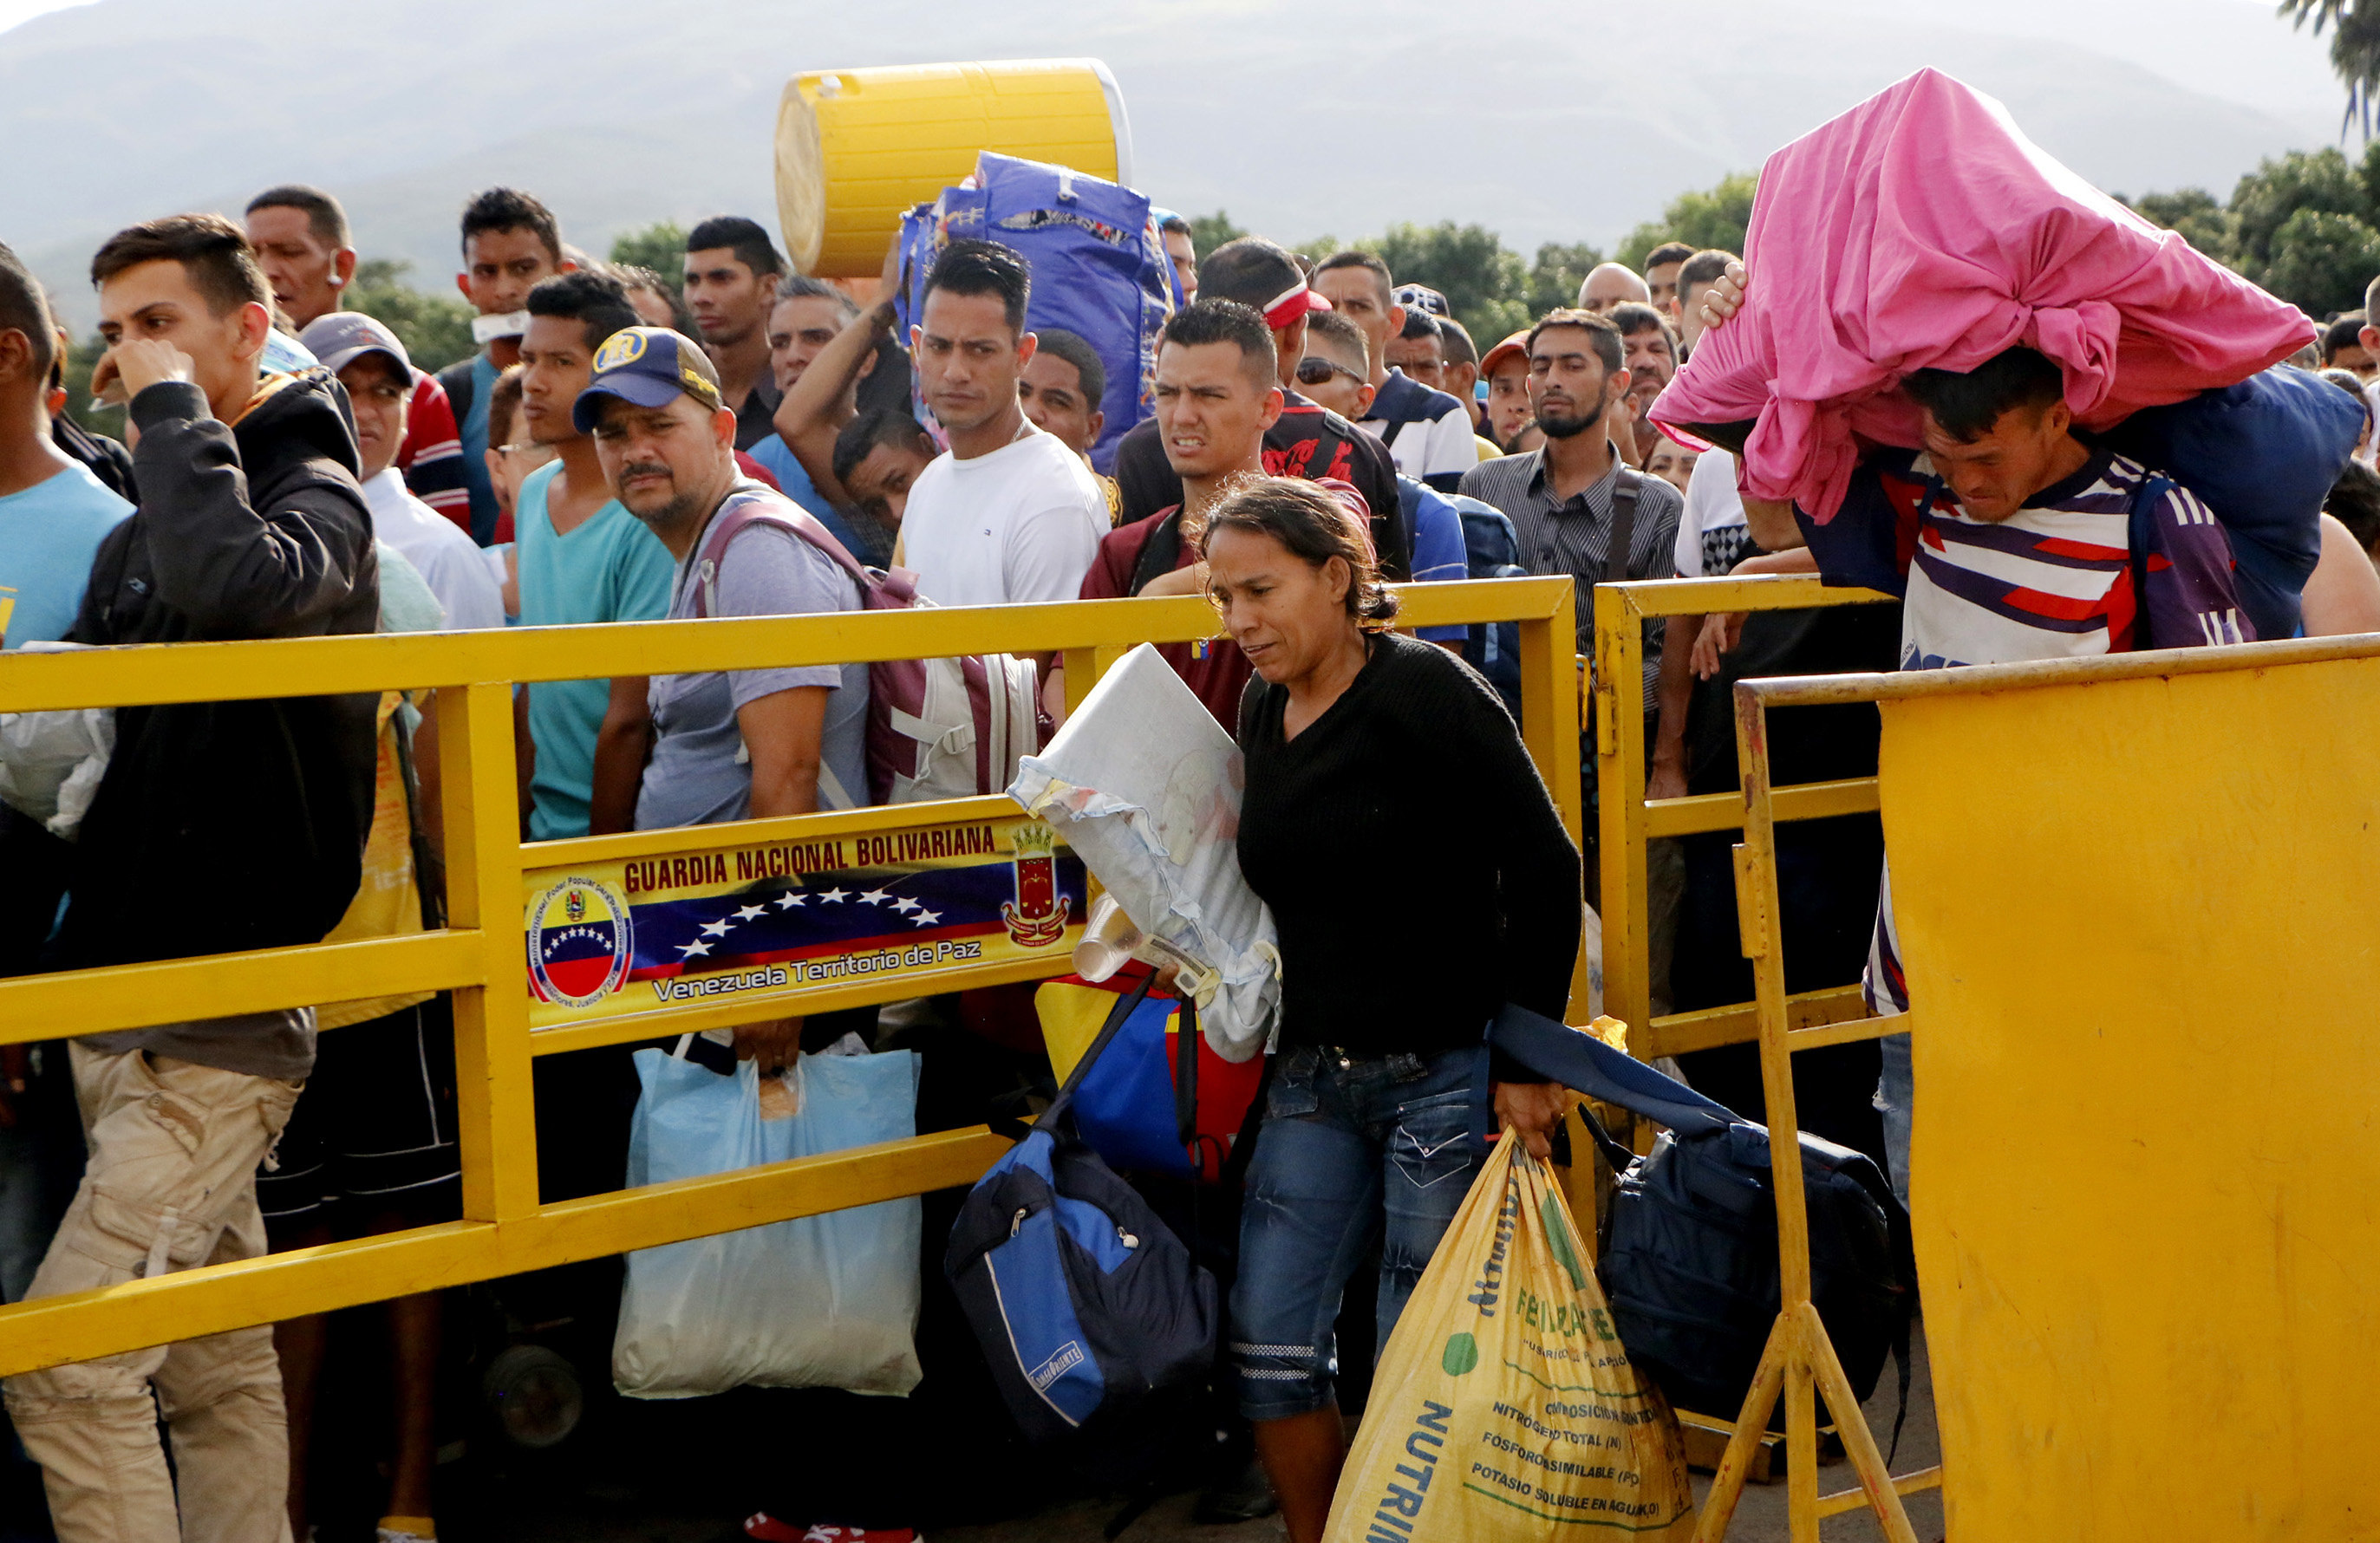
(496, 1113)
(1799, 1342)
(1620, 796)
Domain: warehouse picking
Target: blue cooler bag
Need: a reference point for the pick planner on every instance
(1085, 1305)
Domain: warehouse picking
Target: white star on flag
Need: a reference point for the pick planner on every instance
(748, 912)
(788, 900)
(694, 949)
(836, 896)
(927, 918)
(875, 898)
(716, 928)
(904, 905)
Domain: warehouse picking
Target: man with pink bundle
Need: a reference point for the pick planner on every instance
(1938, 387)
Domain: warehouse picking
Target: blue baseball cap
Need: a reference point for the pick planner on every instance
(646, 366)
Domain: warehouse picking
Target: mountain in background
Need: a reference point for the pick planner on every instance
(1541, 119)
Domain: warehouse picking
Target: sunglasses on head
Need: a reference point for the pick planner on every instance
(1314, 370)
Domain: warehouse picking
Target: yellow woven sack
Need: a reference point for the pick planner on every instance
(1504, 1408)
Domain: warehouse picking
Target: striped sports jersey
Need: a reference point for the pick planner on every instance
(2054, 580)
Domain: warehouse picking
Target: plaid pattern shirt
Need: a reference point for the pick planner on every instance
(1574, 536)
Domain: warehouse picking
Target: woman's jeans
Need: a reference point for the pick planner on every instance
(1352, 1149)
(1895, 1092)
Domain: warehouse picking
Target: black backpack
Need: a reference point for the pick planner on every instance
(1086, 1306)
(1689, 1253)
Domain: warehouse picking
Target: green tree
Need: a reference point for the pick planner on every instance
(2203, 222)
(1209, 231)
(1714, 218)
(435, 329)
(1485, 283)
(2321, 260)
(2354, 48)
(660, 246)
(2267, 197)
(1553, 283)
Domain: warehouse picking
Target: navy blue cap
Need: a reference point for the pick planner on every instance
(648, 366)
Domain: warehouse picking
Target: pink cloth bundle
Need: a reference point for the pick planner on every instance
(1921, 229)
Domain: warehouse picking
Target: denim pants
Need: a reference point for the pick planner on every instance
(1895, 1094)
(1352, 1148)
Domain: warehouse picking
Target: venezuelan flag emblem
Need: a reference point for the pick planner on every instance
(580, 943)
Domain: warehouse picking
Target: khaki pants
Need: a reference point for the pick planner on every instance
(171, 1183)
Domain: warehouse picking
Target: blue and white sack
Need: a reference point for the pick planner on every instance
(826, 1300)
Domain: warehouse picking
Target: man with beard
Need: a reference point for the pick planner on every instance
(1576, 509)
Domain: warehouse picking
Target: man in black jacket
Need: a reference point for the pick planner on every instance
(1307, 440)
(219, 826)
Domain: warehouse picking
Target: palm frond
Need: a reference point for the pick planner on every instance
(2354, 27)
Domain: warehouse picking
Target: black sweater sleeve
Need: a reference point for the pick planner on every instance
(1537, 874)
(233, 570)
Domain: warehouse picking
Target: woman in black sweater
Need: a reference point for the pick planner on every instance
(1420, 878)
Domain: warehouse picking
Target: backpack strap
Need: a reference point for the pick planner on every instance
(1560, 1053)
(1185, 1077)
(1160, 555)
(2140, 536)
(750, 504)
(1117, 1015)
(1624, 494)
(459, 397)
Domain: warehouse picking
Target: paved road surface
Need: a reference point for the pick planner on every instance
(623, 1512)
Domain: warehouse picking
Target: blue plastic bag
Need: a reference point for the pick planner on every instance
(1099, 266)
(824, 1301)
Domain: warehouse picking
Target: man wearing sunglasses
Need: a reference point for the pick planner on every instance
(1307, 440)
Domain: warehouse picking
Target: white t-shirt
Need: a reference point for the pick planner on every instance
(1712, 538)
(1020, 524)
(448, 561)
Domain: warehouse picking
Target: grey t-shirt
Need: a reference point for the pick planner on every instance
(697, 775)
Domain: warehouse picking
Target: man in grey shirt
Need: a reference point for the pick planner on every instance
(735, 744)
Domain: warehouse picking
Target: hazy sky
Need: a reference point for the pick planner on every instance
(15, 11)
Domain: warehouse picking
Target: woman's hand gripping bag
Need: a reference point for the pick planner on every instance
(1504, 1408)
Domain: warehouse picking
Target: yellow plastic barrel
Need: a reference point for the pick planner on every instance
(857, 148)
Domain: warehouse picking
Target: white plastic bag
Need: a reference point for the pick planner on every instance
(824, 1301)
(1145, 787)
(51, 762)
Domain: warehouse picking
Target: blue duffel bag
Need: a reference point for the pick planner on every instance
(1098, 267)
(1086, 1306)
(2261, 455)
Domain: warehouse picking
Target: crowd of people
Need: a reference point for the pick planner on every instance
(1319, 428)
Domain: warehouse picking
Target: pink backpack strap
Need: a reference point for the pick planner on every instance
(750, 504)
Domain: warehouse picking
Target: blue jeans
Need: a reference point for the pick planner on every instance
(1352, 1148)
(1895, 1093)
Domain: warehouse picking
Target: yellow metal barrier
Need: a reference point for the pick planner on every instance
(2190, 864)
(479, 955)
(1626, 819)
(1800, 1360)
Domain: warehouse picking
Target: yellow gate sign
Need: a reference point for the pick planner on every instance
(651, 934)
